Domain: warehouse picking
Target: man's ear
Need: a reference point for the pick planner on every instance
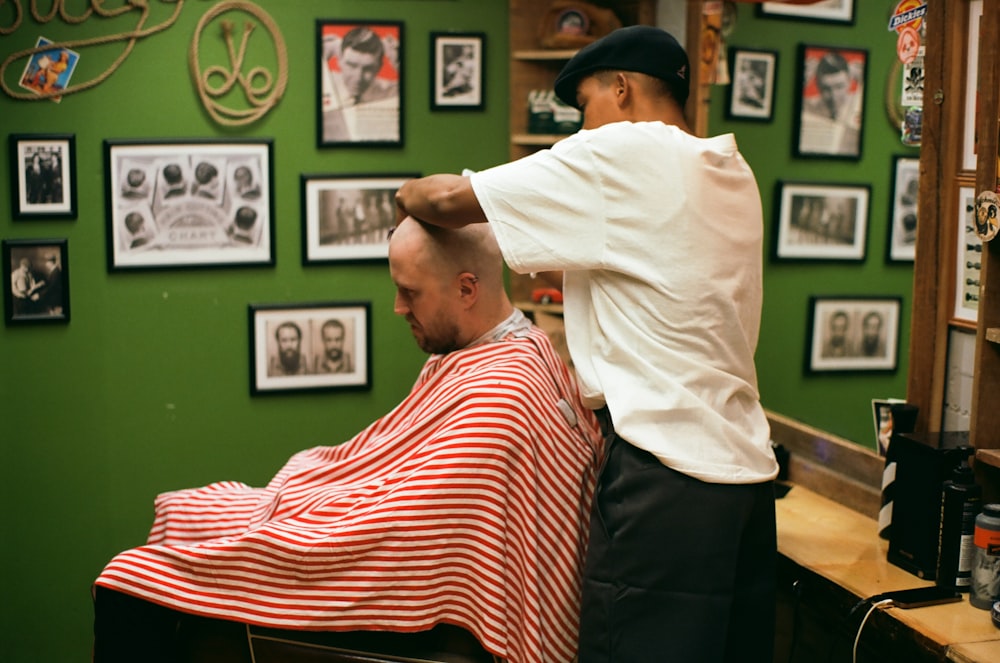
(624, 89)
(468, 284)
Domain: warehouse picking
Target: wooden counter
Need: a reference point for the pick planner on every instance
(836, 552)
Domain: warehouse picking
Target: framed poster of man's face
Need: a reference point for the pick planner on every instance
(360, 83)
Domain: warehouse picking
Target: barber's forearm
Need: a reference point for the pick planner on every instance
(443, 200)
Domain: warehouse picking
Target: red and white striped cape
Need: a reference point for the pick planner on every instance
(468, 504)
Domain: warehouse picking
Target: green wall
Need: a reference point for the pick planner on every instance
(836, 402)
(146, 389)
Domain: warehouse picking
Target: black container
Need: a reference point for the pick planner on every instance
(924, 461)
(961, 501)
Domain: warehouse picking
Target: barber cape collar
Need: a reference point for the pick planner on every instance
(641, 48)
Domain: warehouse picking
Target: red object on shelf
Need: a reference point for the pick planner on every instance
(547, 296)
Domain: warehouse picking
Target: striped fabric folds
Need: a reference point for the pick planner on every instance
(468, 503)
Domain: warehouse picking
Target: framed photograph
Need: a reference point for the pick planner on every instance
(827, 11)
(971, 86)
(43, 176)
(348, 217)
(830, 102)
(884, 413)
(968, 261)
(903, 212)
(458, 62)
(37, 281)
(309, 347)
(821, 221)
(360, 84)
(751, 94)
(853, 334)
(196, 203)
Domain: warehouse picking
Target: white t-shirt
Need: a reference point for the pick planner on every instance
(659, 234)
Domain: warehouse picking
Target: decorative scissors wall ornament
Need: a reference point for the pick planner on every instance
(261, 90)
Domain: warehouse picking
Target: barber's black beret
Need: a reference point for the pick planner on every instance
(640, 48)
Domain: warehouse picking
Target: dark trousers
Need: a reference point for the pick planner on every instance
(677, 569)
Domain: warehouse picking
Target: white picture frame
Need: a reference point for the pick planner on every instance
(821, 221)
(289, 345)
(348, 217)
(189, 203)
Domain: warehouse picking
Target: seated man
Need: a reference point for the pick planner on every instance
(467, 504)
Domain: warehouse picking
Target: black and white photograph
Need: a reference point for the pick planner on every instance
(829, 117)
(348, 217)
(189, 204)
(360, 84)
(37, 287)
(43, 176)
(853, 334)
(903, 213)
(826, 11)
(309, 346)
(968, 261)
(751, 93)
(821, 221)
(458, 63)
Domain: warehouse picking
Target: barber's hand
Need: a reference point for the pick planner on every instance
(401, 212)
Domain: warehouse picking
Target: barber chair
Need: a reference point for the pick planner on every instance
(215, 641)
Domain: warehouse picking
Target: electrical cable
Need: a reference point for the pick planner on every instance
(857, 638)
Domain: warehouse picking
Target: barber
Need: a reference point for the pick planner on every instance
(659, 235)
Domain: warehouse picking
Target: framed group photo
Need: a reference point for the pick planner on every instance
(825, 11)
(36, 288)
(853, 334)
(43, 176)
(310, 346)
(458, 62)
(360, 83)
(821, 221)
(196, 203)
(903, 213)
(830, 103)
(348, 217)
(751, 93)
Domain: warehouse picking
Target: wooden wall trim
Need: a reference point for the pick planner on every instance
(831, 466)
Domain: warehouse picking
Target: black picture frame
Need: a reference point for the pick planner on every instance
(458, 71)
(902, 238)
(750, 96)
(853, 334)
(176, 204)
(45, 283)
(821, 221)
(365, 108)
(830, 102)
(43, 176)
(347, 217)
(823, 11)
(309, 327)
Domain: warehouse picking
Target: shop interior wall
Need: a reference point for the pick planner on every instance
(146, 388)
(836, 402)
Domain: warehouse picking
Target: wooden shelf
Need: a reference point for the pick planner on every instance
(543, 140)
(988, 456)
(993, 335)
(532, 307)
(544, 54)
